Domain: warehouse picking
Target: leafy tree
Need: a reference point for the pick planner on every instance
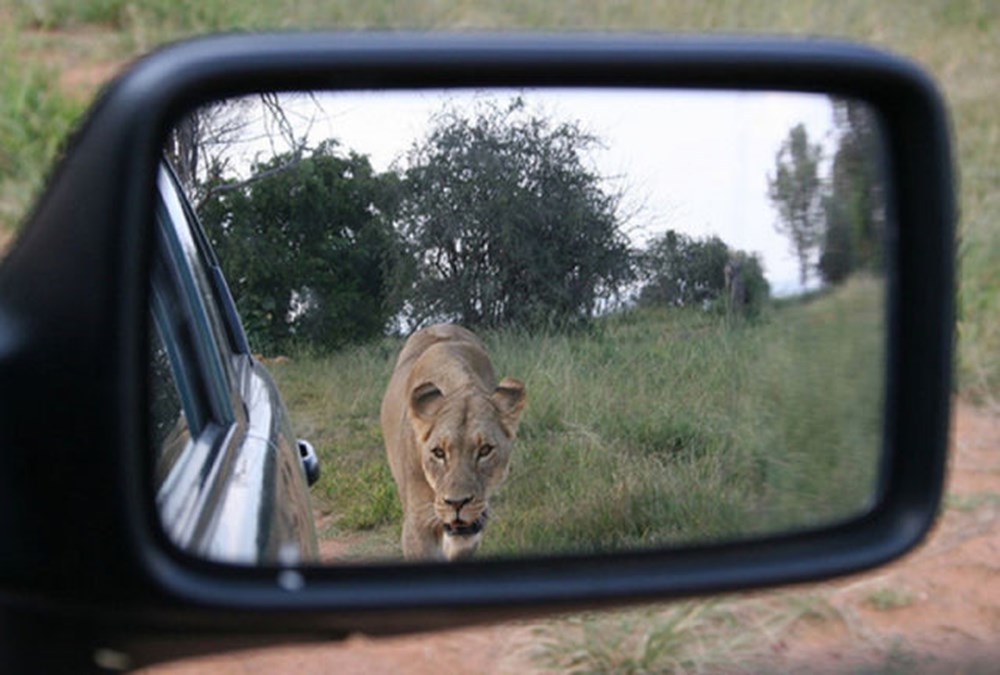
(684, 271)
(308, 248)
(507, 223)
(681, 270)
(854, 206)
(796, 191)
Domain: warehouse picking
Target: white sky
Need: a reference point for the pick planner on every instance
(692, 161)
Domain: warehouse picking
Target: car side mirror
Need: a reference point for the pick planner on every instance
(87, 329)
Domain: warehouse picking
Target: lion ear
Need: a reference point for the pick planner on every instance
(509, 398)
(425, 401)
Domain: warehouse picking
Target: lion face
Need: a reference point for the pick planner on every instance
(465, 441)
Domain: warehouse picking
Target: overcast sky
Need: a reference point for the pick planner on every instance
(695, 162)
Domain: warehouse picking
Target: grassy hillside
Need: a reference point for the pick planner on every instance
(656, 426)
(54, 54)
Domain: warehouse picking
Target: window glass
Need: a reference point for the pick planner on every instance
(189, 271)
(169, 423)
(190, 374)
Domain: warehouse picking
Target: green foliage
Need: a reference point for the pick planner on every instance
(684, 271)
(333, 400)
(979, 307)
(796, 191)
(507, 223)
(53, 13)
(308, 249)
(854, 203)
(756, 290)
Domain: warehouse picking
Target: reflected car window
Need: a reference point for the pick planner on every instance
(169, 423)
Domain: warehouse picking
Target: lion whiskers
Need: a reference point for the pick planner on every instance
(427, 515)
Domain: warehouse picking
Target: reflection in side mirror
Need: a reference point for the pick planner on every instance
(689, 288)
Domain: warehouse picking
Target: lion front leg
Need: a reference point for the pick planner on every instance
(420, 541)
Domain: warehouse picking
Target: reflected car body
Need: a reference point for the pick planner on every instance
(230, 476)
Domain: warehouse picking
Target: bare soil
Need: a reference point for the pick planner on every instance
(83, 58)
(935, 611)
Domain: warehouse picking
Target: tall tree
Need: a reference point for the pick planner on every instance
(854, 207)
(508, 224)
(796, 191)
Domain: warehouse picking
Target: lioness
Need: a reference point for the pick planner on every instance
(448, 429)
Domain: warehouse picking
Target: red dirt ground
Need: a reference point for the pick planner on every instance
(939, 610)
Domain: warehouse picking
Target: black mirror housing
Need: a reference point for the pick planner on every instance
(82, 551)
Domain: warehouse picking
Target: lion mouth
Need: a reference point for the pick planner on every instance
(460, 528)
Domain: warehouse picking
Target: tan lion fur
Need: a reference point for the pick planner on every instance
(448, 428)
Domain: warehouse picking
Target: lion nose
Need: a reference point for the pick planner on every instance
(458, 503)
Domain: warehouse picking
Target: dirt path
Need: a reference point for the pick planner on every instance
(937, 610)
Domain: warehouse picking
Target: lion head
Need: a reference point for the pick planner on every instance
(465, 439)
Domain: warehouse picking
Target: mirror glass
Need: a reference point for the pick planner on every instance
(629, 319)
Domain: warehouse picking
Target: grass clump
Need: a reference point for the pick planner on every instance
(719, 635)
(885, 599)
(637, 642)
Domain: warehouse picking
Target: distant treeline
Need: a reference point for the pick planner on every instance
(497, 220)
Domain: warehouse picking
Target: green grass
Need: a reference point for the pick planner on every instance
(35, 117)
(334, 402)
(673, 426)
(655, 427)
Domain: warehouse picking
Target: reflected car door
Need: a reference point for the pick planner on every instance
(229, 477)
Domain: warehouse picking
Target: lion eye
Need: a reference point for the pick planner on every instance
(438, 453)
(485, 451)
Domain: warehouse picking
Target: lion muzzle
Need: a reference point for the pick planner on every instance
(461, 528)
